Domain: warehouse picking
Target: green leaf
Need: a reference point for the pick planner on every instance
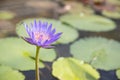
(18, 54)
(99, 52)
(72, 69)
(69, 34)
(6, 15)
(118, 73)
(112, 14)
(92, 23)
(6, 73)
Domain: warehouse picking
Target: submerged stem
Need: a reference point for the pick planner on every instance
(37, 63)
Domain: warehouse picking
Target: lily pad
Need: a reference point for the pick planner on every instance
(18, 54)
(73, 69)
(92, 23)
(112, 14)
(6, 73)
(69, 34)
(6, 15)
(99, 52)
(118, 73)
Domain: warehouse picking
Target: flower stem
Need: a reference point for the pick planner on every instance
(37, 63)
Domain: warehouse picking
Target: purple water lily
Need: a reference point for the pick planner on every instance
(41, 34)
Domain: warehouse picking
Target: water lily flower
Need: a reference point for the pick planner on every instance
(41, 34)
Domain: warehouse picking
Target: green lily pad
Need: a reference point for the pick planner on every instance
(111, 14)
(72, 69)
(99, 52)
(17, 53)
(6, 15)
(118, 73)
(6, 73)
(92, 23)
(69, 34)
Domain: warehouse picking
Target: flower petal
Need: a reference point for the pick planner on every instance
(49, 28)
(53, 31)
(35, 24)
(29, 40)
(52, 40)
(58, 34)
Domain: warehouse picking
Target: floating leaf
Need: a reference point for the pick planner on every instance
(118, 73)
(112, 9)
(18, 54)
(6, 73)
(111, 14)
(72, 69)
(6, 15)
(89, 22)
(99, 52)
(68, 35)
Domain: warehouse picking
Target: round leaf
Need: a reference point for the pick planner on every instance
(6, 15)
(89, 22)
(72, 69)
(111, 14)
(69, 34)
(118, 73)
(99, 52)
(6, 73)
(20, 55)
